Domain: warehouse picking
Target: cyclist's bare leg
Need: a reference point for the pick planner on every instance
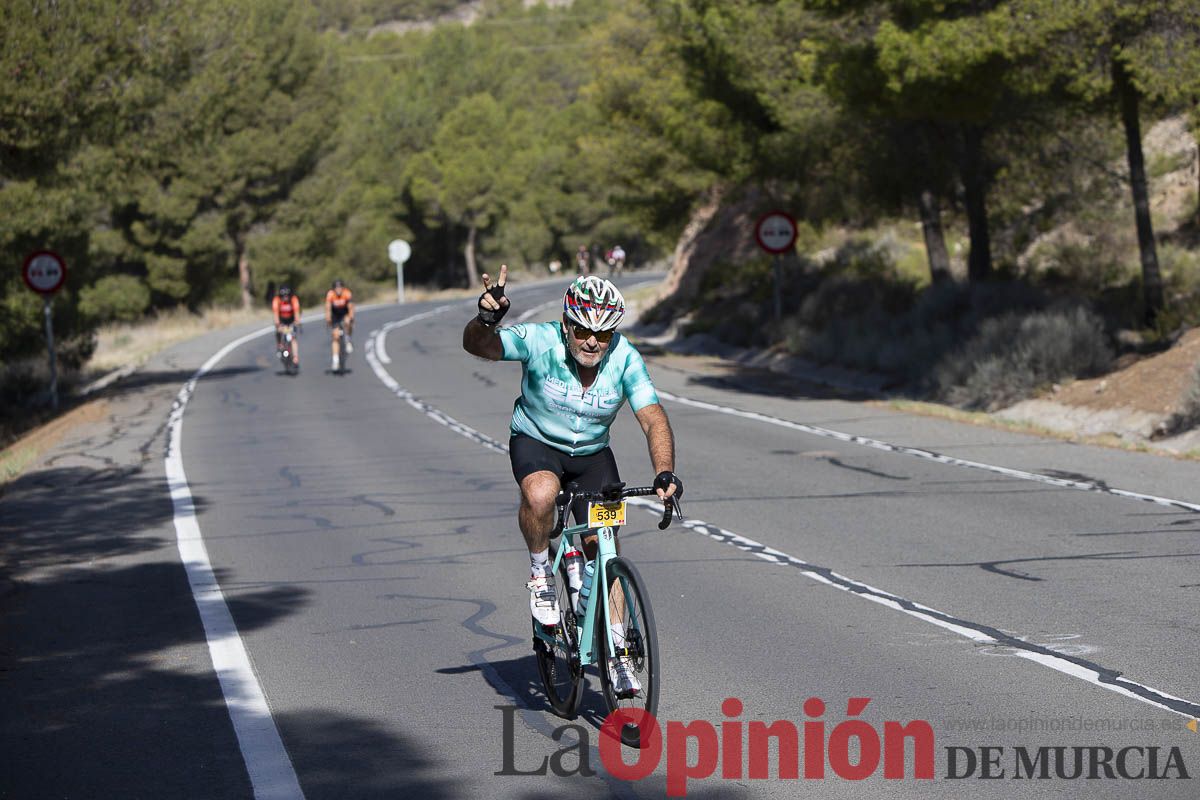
(536, 514)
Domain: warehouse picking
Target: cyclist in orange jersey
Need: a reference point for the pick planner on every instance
(286, 308)
(339, 307)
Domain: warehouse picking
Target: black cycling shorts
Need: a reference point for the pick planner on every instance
(591, 473)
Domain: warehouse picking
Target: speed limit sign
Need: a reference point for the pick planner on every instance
(776, 232)
(45, 271)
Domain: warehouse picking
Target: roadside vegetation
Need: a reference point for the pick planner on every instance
(1188, 415)
(985, 208)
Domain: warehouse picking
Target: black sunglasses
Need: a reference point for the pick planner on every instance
(581, 333)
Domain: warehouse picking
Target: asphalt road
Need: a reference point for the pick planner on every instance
(361, 529)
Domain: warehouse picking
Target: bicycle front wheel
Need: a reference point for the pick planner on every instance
(635, 642)
(558, 664)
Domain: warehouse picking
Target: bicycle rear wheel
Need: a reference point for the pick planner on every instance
(628, 606)
(558, 664)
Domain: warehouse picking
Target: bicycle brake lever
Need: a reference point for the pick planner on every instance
(672, 507)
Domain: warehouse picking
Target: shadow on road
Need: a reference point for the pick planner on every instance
(759, 380)
(173, 377)
(105, 669)
(105, 676)
(342, 757)
(72, 515)
(772, 384)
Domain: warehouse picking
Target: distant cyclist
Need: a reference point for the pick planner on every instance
(576, 373)
(583, 260)
(286, 308)
(616, 261)
(339, 308)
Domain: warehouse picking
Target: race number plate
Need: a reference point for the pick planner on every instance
(602, 515)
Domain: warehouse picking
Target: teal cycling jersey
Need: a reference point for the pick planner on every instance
(553, 407)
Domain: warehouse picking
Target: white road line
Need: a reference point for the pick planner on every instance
(271, 773)
(1073, 666)
(380, 350)
(533, 312)
(929, 455)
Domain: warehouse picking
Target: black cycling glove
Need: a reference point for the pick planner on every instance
(663, 480)
(492, 316)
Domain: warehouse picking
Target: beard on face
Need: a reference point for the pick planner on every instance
(583, 356)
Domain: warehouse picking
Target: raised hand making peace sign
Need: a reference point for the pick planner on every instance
(493, 305)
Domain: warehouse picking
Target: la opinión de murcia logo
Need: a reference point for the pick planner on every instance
(1066, 763)
(853, 749)
(725, 750)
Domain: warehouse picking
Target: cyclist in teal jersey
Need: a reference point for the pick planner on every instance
(575, 376)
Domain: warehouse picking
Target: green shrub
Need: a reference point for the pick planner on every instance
(115, 298)
(976, 346)
(1015, 354)
(227, 293)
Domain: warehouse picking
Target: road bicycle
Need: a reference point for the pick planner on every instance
(343, 354)
(586, 636)
(287, 348)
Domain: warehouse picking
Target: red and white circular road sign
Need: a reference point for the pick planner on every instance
(45, 271)
(776, 232)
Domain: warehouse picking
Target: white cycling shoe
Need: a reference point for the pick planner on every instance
(543, 600)
(624, 679)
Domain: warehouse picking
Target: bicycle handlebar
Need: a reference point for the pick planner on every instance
(611, 493)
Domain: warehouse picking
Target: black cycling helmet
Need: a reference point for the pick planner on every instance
(339, 284)
(285, 291)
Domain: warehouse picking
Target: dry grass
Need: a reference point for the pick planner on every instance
(30, 448)
(121, 344)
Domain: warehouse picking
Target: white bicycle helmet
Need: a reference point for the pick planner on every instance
(594, 303)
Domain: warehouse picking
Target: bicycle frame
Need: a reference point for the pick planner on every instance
(586, 628)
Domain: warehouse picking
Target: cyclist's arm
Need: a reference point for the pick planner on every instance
(328, 310)
(275, 311)
(659, 438)
(483, 340)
